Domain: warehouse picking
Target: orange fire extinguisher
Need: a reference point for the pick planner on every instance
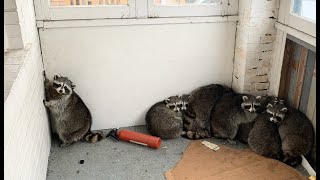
(135, 137)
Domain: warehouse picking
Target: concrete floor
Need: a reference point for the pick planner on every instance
(109, 159)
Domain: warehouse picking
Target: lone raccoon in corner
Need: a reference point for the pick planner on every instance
(245, 128)
(197, 117)
(71, 116)
(232, 110)
(295, 130)
(164, 119)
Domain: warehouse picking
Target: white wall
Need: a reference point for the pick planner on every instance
(26, 129)
(121, 71)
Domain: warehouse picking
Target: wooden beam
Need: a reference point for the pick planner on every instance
(312, 98)
(300, 76)
(285, 73)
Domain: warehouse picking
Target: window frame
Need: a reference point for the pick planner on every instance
(295, 21)
(225, 8)
(45, 12)
(134, 9)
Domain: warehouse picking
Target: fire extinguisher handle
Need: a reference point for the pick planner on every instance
(113, 133)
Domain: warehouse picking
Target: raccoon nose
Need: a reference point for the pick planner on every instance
(60, 91)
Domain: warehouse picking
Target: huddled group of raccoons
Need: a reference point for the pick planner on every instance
(267, 124)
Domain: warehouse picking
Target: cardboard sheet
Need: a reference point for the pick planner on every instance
(200, 162)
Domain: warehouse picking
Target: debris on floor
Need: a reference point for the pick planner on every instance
(312, 178)
(211, 145)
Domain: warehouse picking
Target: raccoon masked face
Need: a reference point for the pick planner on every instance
(277, 112)
(251, 104)
(62, 85)
(174, 103)
(185, 99)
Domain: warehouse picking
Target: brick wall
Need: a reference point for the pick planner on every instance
(26, 128)
(254, 44)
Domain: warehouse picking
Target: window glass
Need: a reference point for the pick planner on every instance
(305, 8)
(87, 2)
(186, 2)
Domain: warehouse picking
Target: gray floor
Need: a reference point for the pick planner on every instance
(109, 159)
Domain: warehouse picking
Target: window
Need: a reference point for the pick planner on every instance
(103, 9)
(299, 14)
(87, 2)
(178, 8)
(305, 8)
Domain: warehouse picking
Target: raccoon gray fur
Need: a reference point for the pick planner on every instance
(243, 131)
(295, 130)
(71, 116)
(232, 110)
(245, 128)
(264, 137)
(164, 119)
(197, 116)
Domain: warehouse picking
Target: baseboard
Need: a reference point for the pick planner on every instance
(307, 166)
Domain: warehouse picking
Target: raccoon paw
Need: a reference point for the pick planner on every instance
(232, 142)
(62, 145)
(183, 133)
(44, 102)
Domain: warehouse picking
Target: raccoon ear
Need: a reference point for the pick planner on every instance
(167, 100)
(258, 98)
(244, 98)
(56, 76)
(269, 105)
(73, 85)
(284, 109)
(281, 101)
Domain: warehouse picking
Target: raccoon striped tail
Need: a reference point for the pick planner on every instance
(194, 135)
(93, 137)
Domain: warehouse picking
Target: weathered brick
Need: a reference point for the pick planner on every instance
(259, 47)
(256, 22)
(263, 70)
(260, 86)
(268, 38)
(251, 72)
(256, 79)
(266, 13)
(249, 87)
(254, 44)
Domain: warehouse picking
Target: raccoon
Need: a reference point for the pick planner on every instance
(295, 130)
(245, 128)
(164, 119)
(71, 116)
(264, 137)
(232, 110)
(197, 117)
(243, 131)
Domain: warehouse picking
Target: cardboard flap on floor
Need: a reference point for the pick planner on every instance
(200, 162)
